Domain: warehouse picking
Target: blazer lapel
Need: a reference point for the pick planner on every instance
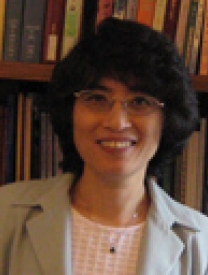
(50, 234)
(160, 247)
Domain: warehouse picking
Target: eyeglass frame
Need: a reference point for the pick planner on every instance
(125, 103)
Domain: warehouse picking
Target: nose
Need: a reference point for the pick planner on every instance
(117, 119)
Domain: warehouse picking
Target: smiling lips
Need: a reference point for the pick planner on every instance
(114, 144)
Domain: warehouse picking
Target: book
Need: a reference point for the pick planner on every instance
(72, 24)
(194, 52)
(132, 10)
(104, 10)
(57, 156)
(146, 12)
(36, 139)
(191, 24)
(53, 31)
(27, 136)
(2, 25)
(119, 9)
(43, 144)
(19, 137)
(201, 163)
(171, 18)
(203, 67)
(11, 105)
(159, 15)
(32, 31)
(182, 25)
(2, 142)
(89, 14)
(13, 30)
(191, 172)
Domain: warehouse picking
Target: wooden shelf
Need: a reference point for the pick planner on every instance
(25, 71)
(42, 73)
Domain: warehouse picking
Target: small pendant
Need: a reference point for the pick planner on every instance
(112, 250)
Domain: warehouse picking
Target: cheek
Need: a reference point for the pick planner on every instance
(153, 132)
(83, 127)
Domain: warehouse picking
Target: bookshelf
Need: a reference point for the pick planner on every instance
(25, 71)
(42, 73)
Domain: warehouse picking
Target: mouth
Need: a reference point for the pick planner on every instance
(112, 144)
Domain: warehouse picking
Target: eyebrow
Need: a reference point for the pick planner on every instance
(132, 88)
(100, 87)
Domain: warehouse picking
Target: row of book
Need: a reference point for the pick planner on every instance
(28, 147)
(186, 178)
(42, 31)
(32, 30)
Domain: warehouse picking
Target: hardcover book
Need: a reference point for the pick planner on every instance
(32, 33)
(53, 30)
(72, 24)
(171, 18)
(13, 30)
(2, 25)
(146, 12)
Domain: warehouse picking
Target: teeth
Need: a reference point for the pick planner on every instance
(115, 144)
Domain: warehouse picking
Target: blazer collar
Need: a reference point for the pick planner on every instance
(49, 228)
(161, 247)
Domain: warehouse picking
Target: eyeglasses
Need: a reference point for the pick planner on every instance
(100, 102)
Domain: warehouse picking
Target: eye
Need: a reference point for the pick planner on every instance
(140, 101)
(95, 97)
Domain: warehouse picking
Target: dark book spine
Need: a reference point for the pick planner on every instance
(13, 27)
(32, 33)
(171, 18)
(2, 143)
(10, 137)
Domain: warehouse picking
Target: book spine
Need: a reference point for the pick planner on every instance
(32, 33)
(201, 163)
(27, 134)
(43, 147)
(181, 25)
(2, 143)
(53, 31)
(146, 12)
(104, 10)
(2, 25)
(203, 69)
(13, 30)
(196, 38)
(119, 9)
(19, 137)
(132, 10)
(72, 24)
(10, 137)
(159, 16)
(89, 13)
(191, 24)
(171, 18)
(36, 141)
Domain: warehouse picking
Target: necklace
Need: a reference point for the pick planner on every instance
(114, 241)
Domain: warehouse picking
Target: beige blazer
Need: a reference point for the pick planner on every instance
(35, 232)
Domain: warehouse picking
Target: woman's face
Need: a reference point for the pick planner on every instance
(114, 142)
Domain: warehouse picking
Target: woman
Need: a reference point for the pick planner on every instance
(122, 105)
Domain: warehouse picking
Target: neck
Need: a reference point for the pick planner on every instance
(111, 203)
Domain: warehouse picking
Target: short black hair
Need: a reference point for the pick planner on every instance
(123, 49)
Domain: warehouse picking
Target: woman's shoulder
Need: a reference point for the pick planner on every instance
(175, 212)
(31, 189)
